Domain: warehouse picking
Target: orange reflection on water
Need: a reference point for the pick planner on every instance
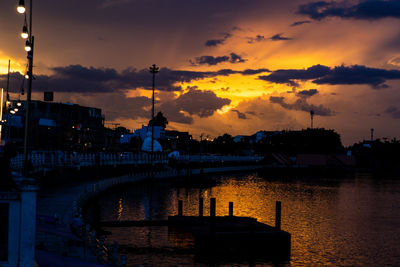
(337, 221)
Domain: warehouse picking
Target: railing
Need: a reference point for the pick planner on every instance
(41, 160)
(220, 158)
(47, 160)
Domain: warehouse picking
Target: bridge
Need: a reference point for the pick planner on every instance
(41, 160)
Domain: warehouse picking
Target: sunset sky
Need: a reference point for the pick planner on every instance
(234, 66)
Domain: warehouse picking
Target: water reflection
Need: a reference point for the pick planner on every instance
(345, 221)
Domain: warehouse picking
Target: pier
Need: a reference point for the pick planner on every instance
(224, 237)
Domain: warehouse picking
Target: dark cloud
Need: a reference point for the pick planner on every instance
(298, 23)
(279, 37)
(193, 102)
(258, 38)
(358, 75)
(201, 103)
(320, 74)
(216, 42)
(303, 105)
(365, 9)
(210, 60)
(254, 71)
(289, 76)
(80, 79)
(235, 58)
(393, 111)
(240, 115)
(307, 93)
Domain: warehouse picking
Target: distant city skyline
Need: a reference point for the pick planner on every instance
(232, 67)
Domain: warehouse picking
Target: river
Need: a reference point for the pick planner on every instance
(334, 221)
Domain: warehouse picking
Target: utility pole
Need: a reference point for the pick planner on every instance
(8, 81)
(312, 118)
(153, 69)
(372, 134)
(6, 128)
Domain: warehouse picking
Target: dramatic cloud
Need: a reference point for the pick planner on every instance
(393, 111)
(289, 76)
(254, 71)
(193, 102)
(258, 38)
(320, 74)
(307, 93)
(80, 79)
(201, 103)
(301, 104)
(365, 9)
(279, 37)
(239, 114)
(216, 42)
(210, 60)
(298, 23)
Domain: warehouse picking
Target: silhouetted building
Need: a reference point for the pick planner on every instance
(56, 125)
(173, 135)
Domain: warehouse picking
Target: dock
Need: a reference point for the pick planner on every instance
(225, 237)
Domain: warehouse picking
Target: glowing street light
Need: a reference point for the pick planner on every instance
(21, 7)
(28, 47)
(24, 33)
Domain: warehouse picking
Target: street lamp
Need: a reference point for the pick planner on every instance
(24, 33)
(21, 7)
(29, 45)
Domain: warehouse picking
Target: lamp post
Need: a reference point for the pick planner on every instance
(153, 69)
(29, 46)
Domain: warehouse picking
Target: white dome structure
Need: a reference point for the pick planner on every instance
(147, 144)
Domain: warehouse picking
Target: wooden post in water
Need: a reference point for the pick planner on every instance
(278, 216)
(201, 207)
(180, 208)
(230, 209)
(212, 207)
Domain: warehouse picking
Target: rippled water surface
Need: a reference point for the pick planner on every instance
(352, 221)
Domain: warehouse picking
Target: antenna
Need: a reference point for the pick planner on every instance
(372, 134)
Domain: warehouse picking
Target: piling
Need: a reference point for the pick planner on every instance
(278, 216)
(212, 207)
(230, 209)
(201, 200)
(180, 208)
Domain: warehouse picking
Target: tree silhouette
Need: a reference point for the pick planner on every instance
(159, 120)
